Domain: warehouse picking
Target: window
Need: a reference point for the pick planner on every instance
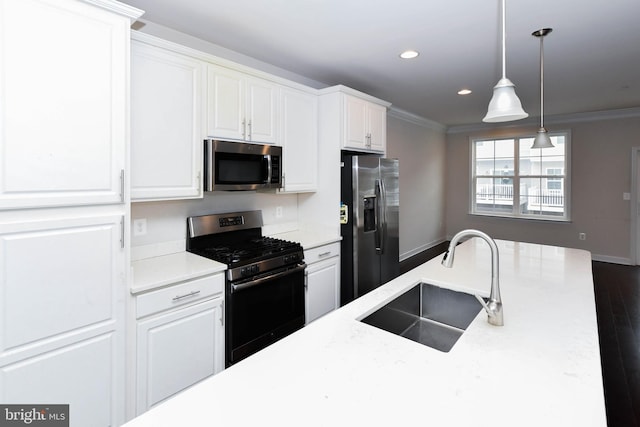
(509, 178)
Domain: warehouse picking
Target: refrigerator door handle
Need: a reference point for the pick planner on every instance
(381, 216)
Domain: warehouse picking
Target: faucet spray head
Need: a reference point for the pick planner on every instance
(447, 259)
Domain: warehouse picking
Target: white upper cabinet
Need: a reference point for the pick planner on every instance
(355, 123)
(377, 119)
(240, 106)
(167, 92)
(63, 68)
(365, 125)
(299, 139)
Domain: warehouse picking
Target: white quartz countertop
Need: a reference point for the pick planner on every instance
(309, 239)
(156, 272)
(542, 368)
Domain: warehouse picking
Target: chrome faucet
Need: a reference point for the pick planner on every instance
(494, 306)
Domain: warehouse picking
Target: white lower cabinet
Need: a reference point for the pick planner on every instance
(322, 281)
(62, 287)
(180, 338)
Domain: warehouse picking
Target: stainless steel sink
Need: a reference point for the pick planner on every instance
(428, 314)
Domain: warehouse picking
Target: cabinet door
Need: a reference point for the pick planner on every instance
(166, 133)
(82, 375)
(62, 290)
(178, 349)
(355, 123)
(62, 104)
(225, 103)
(377, 125)
(261, 111)
(299, 140)
(58, 277)
(323, 288)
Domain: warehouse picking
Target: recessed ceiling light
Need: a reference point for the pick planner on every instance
(409, 54)
(464, 92)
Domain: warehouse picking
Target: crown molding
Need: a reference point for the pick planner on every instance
(623, 113)
(354, 92)
(131, 12)
(415, 119)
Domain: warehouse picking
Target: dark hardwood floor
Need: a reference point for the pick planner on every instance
(617, 291)
(617, 294)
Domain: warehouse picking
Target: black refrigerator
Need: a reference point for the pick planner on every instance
(370, 207)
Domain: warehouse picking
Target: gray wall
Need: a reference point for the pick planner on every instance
(600, 174)
(421, 150)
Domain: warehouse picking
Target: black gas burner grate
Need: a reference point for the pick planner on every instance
(249, 250)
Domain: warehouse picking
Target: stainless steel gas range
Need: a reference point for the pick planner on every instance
(264, 297)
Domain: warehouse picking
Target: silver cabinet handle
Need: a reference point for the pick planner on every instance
(324, 254)
(190, 294)
(222, 313)
(122, 186)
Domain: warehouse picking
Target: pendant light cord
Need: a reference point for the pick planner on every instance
(541, 82)
(504, 40)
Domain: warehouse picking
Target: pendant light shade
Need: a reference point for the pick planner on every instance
(504, 105)
(542, 139)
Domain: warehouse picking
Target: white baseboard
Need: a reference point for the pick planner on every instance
(416, 251)
(611, 259)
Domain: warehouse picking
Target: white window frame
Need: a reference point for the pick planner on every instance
(515, 208)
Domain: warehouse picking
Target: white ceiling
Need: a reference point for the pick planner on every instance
(591, 59)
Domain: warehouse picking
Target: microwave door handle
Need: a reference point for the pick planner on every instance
(267, 157)
(208, 165)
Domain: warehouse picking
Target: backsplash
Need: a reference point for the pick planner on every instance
(166, 220)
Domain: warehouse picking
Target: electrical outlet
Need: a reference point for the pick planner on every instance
(278, 211)
(582, 236)
(140, 227)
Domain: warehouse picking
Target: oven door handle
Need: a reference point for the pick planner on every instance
(242, 286)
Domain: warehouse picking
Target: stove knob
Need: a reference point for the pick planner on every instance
(254, 269)
(243, 271)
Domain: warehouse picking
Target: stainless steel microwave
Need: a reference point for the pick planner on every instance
(236, 166)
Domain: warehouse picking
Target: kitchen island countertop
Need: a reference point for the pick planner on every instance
(541, 368)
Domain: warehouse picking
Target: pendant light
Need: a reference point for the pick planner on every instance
(542, 139)
(504, 105)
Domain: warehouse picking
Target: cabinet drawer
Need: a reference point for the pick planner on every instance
(322, 252)
(179, 295)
